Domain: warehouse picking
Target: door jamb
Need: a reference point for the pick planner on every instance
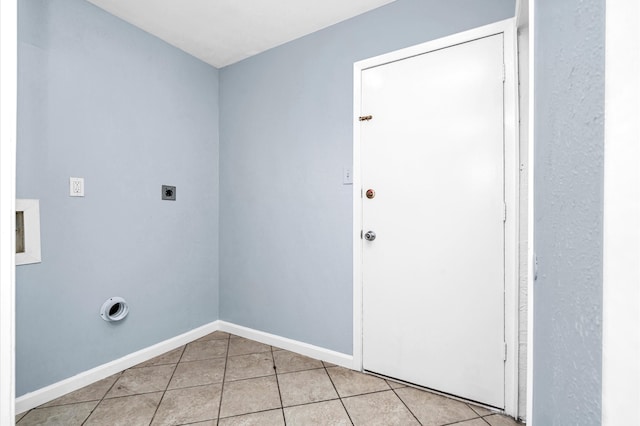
(511, 188)
(621, 239)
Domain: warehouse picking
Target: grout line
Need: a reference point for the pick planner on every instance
(300, 371)
(224, 376)
(467, 420)
(311, 403)
(125, 396)
(173, 389)
(235, 416)
(197, 360)
(338, 393)
(485, 420)
(103, 396)
(365, 393)
(275, 371)
(23, 416)
(406, 406)
(40, 407)
(249, 378)
(272, 350)
(490, 413)
(250, 353)
(184, 348)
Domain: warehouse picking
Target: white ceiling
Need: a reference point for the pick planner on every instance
(221, 32)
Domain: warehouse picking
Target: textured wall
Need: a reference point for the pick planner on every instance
(286, 134)
(105, 101)
(569, 137)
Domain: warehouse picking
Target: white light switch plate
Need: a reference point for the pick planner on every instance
(76, 187)
(347, 176)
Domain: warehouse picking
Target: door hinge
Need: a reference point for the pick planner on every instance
(504, 358)
(504, 73)
(504, 212)
(365, 117)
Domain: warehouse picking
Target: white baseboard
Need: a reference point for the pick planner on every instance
(302, 348)
(56, 390)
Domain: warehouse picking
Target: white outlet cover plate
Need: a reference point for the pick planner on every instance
(347, 177)
(76, 187)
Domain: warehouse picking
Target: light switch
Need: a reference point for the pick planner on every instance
(76, 187)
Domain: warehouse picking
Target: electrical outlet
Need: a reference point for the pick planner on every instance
(76, 187)
(168, 192)
(347, 176)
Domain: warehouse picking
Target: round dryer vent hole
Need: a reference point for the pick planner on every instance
(114, 309)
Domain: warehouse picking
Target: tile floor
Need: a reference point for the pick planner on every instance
(227, 380)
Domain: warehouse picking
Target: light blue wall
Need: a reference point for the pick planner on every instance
(569, 108)
(286, 134)
(105, 101)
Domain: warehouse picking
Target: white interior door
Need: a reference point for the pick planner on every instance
(433, 279)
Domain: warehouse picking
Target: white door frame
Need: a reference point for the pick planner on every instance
(8, 108)
(525, 11)
(511, 156)
(621, 240)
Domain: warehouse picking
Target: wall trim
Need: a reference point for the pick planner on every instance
(56, 390)
(531, 257)
(621, 236)
(302, 348)
(511, 155)
(8, 111)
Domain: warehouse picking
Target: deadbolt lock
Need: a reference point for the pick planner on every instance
(370, 193)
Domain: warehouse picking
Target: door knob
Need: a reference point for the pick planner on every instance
(370, 236)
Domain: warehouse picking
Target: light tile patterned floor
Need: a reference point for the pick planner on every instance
(227, 380)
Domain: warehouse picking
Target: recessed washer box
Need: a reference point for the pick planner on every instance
(27, 232)
(168, 192)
